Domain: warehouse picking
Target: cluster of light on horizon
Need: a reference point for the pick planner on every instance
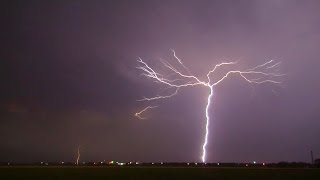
(137, 163)
(182, 77)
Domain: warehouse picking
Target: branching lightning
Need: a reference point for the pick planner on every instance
(138, 114)
(179, 79)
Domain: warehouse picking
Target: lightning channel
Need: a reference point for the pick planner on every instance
(78, 156)
(203, 158)
(138, 114)
(259, 74)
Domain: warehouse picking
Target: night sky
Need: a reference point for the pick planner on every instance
(69, 78)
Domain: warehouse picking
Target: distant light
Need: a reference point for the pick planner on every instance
(94, 163)
(62, 162)
(254, 162)
(161, 162)
(137, 162)
(41, 162)
(152, 163)
(263, 164)
(8, 164)
(188, 163)
(196, 163)
(246, 165)
(83, 162)
(218, 164)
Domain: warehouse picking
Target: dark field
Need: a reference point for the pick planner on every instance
(156, 173)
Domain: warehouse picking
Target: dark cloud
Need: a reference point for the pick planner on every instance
(68, 77)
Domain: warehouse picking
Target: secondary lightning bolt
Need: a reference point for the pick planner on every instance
(137, 114)
(78, 156)
(179, 80)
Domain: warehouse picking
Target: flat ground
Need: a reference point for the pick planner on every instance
(141, 173)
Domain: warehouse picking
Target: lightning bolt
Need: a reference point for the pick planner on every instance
(178, 80)
(203, 158)
(78, 156)
(137, 114)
